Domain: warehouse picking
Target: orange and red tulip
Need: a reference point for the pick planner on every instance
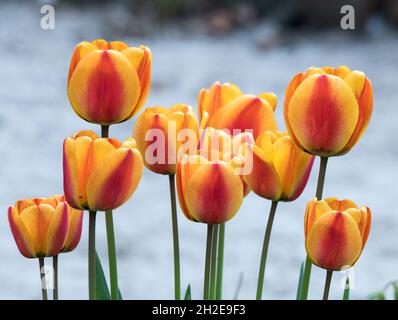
(100, 173)
(335, 232)
(45, 227)
(224, 106)
(210, 188)
(164, 135)
(327, 110)
(108, 83)
(280, 169)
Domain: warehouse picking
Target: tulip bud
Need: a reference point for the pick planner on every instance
(164, 135)
(45, 227)
(335, 232)
(226, 107)
(108, 83)
(100, 174)
(280, 169)
(327, 110)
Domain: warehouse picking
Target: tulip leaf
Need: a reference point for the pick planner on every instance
(379, 295)
(395, 288)
(300, 282)
(102, 290)
(188, 293)
(346, 295)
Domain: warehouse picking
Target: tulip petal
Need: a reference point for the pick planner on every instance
(334, 241)
(81, 50)
(214, 193)
(115, 179)
(314, 210)
(21, 235)
(57, 230)
(342, 205)
(323, 114)
(263, 179)
(270, 97)
(246, 112)
(104, 87)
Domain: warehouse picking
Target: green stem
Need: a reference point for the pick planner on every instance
(346, 295)
(91, 257)
(319, 194)
(110, 235)
(220, 261)
(43, 279)
(176, 244)
(55, 279)
(213, 267)
(264, 253)
(206, 284)
(104, 131)
(329, 274)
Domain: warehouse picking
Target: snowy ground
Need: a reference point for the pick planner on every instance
(35, 116)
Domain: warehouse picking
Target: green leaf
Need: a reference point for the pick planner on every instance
(188, 293)
(379, 295)
(300, 282)
(395, 288)
(346, 295)
(102, 290)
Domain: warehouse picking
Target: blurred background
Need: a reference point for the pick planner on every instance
(258, 45)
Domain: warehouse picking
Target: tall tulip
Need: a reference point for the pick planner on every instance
(224, 106)
(100, 174)
(335, 234)
(280, 171)
(211, 191)
(108, 83)
(326, 112)
(45, 227)
(163, 136)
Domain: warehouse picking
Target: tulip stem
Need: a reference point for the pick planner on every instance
(104, 131)
(43, 279)
(176, 244)
(206, 285)
(91, 257)
(213, 263)
(55, 278)
(264, 253)
(110, 235)
(329, 274)
(308, 263)
(220, 261)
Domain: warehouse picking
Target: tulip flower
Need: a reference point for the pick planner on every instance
(280, 171)
(45, 227)
(175, 130)
(211, 191)
(335, 234)
(224, 106)
(163, 136)
(100, 174)
(108, 83)
(327, 110)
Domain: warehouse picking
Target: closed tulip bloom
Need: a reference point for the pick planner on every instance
(335, 232)
(208, 191)
(108, 83)
(280, 169)
(224, 106)
(45, 227)
(164, 135)
(327, 110)
(100, 173)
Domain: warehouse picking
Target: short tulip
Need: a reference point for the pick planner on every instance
(327, 110)
(45, 227)
(108, 83)
(280, 169)
(224, 106)
(335, 232)
(164, 135)
(100, 174)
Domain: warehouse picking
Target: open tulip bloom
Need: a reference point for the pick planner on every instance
(335, 234)
(45, 227)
